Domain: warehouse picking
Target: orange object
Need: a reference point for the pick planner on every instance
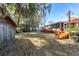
(59, 34)
(62, 35)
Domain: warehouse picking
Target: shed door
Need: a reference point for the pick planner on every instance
(5, 33)
(13, 33)
(8, 32)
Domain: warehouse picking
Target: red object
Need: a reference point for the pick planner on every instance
(74, 20)
(47, 30)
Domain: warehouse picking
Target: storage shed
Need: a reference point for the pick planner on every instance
(7, 30)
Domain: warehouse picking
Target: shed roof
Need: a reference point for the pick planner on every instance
(9, 20)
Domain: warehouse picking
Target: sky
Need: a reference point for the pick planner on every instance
(59, 12)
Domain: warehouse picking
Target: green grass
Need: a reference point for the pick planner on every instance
(72, 29)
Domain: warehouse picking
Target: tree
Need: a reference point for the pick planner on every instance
(28, 14)
(43, 9)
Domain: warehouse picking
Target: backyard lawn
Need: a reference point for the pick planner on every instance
(40, 44)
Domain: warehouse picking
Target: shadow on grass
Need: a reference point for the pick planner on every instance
(19, 48)
(55, 48)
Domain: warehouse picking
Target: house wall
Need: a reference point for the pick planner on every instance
(74, 27)
(57, 25)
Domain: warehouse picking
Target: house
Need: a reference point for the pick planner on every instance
(74, 24)
(7, 30)
(63, 25)
(57, 25)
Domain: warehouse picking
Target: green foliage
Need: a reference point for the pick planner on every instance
(28, 14)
